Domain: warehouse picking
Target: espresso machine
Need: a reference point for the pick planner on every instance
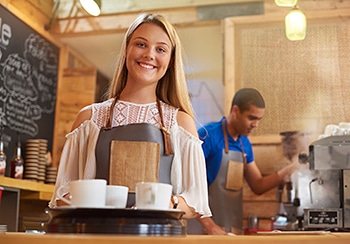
(324, 184)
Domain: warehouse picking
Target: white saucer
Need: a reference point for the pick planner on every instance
(152, 209)
(87, 207)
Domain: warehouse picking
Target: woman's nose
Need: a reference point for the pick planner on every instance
(149, 54)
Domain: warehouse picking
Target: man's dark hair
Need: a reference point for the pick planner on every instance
(246, 97)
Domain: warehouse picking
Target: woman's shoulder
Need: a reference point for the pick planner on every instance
(187, 122)
(102, 105)
(83, 115)
(92, 111)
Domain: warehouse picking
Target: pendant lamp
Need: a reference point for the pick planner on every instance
(286, 3)
(295, 25)
(93, 7)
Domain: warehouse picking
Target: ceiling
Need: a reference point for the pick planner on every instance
(98, 39)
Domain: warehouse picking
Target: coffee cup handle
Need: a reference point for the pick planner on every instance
(151, 195)
(61, 195)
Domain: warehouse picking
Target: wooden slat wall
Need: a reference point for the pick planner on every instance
(76, 90)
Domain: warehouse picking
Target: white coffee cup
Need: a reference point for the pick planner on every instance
(87, 193)
(116, 196)
(153, 195)
(338, 131)
(330, 129)
(344, 125)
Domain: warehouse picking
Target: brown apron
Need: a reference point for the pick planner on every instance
(132, 153)
(225, 193)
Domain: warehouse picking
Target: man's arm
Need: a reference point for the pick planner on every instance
(258, 183)
(261, 184)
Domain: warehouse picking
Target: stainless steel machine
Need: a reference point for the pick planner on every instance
(323, 185)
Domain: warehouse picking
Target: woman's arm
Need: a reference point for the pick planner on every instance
(186, 121)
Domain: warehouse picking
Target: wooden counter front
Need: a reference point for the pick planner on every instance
(20, 238)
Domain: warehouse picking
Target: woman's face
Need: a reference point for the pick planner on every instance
(148, 54)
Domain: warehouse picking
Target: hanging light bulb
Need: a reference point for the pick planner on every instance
(295, 24)
(286, 3)
(93, 7)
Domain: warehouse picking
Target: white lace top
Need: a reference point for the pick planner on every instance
(131, 113)
(188, 173)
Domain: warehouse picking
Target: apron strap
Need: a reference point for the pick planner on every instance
(224, 131)
(168, 150)
(110, 118)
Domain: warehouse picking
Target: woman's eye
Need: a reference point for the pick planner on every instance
(161, 50)
(141, 44)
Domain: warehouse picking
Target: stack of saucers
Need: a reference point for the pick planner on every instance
(42, 160)
(31, 160)
(51, 174)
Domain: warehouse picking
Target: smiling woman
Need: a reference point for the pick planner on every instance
(148, 113)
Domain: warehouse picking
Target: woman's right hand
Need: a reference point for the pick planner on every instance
(60, 203)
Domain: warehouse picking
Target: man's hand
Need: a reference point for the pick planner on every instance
(286, 172)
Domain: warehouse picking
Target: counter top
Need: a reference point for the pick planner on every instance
(20, 238)
(29, 189)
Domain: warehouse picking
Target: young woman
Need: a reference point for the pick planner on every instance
(148, 96)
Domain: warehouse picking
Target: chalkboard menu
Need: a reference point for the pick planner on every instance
(28, 78)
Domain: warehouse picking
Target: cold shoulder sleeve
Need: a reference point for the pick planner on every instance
(77, 158)
(188, 174)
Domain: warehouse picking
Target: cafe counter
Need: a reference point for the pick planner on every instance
(29, 238)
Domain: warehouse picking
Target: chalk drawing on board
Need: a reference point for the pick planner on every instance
(28, 84)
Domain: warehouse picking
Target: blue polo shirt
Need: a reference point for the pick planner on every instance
(214, 144)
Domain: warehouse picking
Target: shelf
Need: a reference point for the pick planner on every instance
(29, 189)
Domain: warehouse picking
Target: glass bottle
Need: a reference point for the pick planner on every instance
(17, 163)
(2, 158)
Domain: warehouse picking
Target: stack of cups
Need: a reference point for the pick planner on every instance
(42, 160)
(51, 171)
(31, 160)
(35, 159)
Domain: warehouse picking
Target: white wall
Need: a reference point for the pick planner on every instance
(203, 47)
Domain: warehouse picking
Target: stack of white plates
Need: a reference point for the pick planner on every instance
(3, 228)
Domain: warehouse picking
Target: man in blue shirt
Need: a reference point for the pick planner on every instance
(229, 157)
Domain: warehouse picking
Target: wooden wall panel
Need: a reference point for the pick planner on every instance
(77, 90)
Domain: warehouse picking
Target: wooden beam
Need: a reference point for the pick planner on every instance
(127, 6)
(117, 23)
(183, 12)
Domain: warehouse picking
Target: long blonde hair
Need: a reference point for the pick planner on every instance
(172, 87)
